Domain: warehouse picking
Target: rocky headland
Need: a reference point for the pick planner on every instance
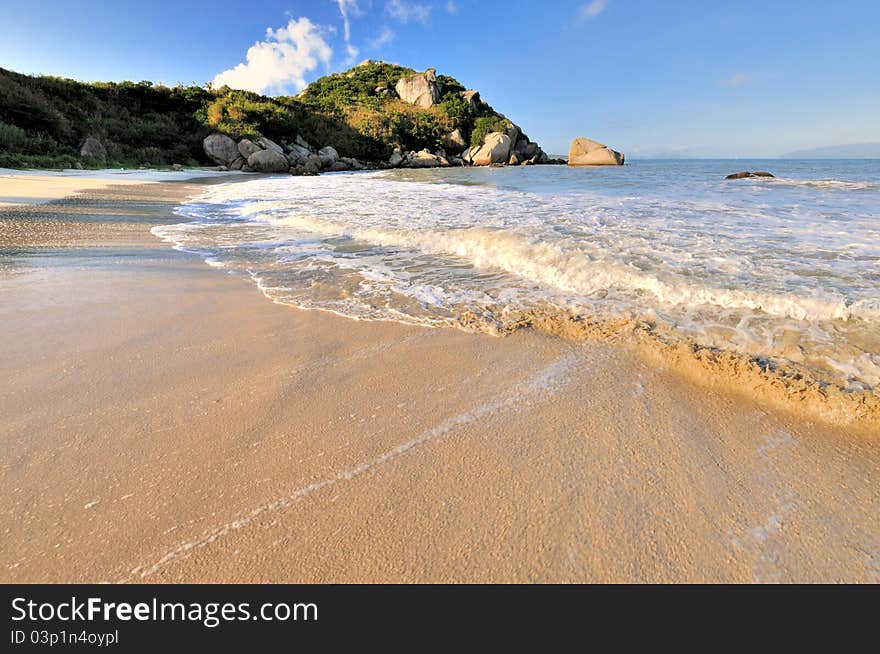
(466, 130)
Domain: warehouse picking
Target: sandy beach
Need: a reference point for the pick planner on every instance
(164, 422)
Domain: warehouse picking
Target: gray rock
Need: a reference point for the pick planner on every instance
(526, 149)
(93, 148)
(353, 164)
(247, 147)
(266, 144)
(268, 161)
(300, 141)
(221, 149)
(328, 156)
(297, 155)
(396, 158)
(741, 175)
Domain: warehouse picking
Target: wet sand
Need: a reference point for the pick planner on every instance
(164, 422)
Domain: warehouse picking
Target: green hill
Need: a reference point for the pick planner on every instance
(45, 120)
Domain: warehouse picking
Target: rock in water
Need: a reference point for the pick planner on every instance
(297, 154)
(495, 150)
(423, 159)
(585, 152)
(421, 90)
(762, 173)
(223, 151)
(93, 148)
(268, 161)
(396, 158)
(327, 156)
(741, 175)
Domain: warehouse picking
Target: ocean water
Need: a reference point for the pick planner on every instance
(786, 269)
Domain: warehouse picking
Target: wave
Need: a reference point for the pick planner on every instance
(769, 277)
(571, 270)
(823, 183)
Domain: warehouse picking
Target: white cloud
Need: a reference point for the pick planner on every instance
(591, 9)
(281, 61)
(451, 7)
(385, 37)
(348, 8)
(738, 79)
(407, 11)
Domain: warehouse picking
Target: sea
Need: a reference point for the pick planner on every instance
(784, 270)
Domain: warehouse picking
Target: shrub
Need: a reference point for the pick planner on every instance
(487, 125)
(11, 137)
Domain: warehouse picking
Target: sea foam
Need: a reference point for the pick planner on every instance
(786, 271)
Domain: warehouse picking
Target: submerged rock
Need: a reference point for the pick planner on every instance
(740, 175)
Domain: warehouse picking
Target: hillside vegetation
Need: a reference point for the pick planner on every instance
(45, 120)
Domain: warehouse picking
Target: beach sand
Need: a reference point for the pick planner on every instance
(163, 422)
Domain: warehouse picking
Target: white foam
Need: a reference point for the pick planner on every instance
(733, 266)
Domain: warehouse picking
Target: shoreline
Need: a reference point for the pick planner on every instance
(166, 423)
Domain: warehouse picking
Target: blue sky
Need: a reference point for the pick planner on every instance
(697, 78)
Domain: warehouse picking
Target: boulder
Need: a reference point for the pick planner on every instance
(247, 147)
(741, 175)
(472, 98)
(223, 151)
(762, 173)
(454, 141)
(310, 167)
(513, 134)
(421, 90)
(396, 158)
(327, 156)
(301, 142)
(297, 154)
(514, 159)
(423, 159)
(266, 144)
(526, 149)
(585, 152)
(93, 148)
(177, 167)
(495, 150)
(268, 161)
